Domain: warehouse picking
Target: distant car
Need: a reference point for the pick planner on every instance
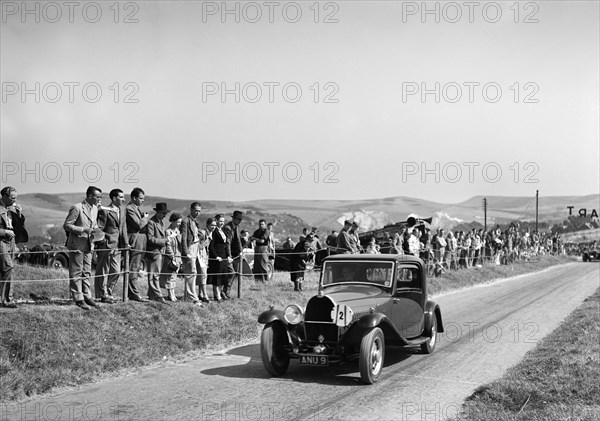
(364, 303)
(248, 264)
(590, 255)
(50, 255)
(283, 258)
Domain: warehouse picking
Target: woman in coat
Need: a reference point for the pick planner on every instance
(220, 261)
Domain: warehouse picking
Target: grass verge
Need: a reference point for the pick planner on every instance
(557, 380)
(52, 343)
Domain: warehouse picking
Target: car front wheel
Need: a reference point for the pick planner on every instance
(274, 348)
(429, 346)
(372, 354)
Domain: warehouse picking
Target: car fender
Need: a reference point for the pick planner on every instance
(432, 310)
(271, 315)
(371, 320)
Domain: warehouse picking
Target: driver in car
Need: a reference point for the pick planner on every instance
(348, 274)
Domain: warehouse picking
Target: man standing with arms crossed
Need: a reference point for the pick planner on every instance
(12, 231)
(137, 222)
(232, 231)
(112, 221)
(79, 225)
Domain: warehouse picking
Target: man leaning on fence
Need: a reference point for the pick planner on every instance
(80, 225)
(12, 231)
(111, 220)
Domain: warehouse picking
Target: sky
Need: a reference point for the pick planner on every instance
(301, 100)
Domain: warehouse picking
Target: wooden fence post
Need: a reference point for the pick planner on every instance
(239, 276)
(126, 277)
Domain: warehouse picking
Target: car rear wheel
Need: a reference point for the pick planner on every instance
(274, 346)
(429, 346)
(59, 262)
(372, 354)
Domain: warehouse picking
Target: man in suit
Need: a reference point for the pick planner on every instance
(79, 225)
(12, 231)
(136, 222)
(192, 238)
(232, 231)
(111, 220)
(155, 249)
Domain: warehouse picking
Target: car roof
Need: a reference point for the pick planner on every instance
(377, 257)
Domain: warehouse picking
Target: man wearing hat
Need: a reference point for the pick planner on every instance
(356, 246)
(156, 236)
(304, 254)
(232, 231)
(80, 224)
(344, 240)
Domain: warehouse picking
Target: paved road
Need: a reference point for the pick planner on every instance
(488, 329)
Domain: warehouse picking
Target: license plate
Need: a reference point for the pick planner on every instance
(314, 359)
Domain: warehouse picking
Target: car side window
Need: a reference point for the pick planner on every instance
(407, 277)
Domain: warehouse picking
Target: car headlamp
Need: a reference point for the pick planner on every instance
(293, 314)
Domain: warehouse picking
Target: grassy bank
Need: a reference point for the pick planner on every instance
(464, 278)
(558, 380)
(51, 343)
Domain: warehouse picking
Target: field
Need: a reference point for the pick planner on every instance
(51, 343)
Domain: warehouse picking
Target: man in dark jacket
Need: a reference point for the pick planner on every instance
(12, 231)
(137, 222)
(303, 256)
(232, 231)
(111, 220)
(155, 249)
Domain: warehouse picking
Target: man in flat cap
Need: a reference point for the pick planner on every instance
(356, 246)
(344, 240)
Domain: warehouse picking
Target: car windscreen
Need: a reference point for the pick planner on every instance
(366, 271)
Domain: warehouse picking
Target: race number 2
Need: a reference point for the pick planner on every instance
(341, 315)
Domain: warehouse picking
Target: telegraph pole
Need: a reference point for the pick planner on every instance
(484, 214)
(537, 193)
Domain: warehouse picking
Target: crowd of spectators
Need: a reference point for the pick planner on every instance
(443, 250)
(212, 253)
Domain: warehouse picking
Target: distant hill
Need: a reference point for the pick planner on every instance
(290, 216)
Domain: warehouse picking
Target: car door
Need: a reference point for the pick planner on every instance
(408, 300)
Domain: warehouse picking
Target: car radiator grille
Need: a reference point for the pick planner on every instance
(318, 321)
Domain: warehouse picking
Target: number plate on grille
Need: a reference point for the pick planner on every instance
(314, 359)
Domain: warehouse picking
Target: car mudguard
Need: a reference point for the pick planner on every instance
(371, 320)
(271, 315)
(433, 310)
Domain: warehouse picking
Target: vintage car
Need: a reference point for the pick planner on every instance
(365, 303)
(589, 255)
(51, 255)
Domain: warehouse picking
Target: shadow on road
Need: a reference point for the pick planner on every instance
(343, 374)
